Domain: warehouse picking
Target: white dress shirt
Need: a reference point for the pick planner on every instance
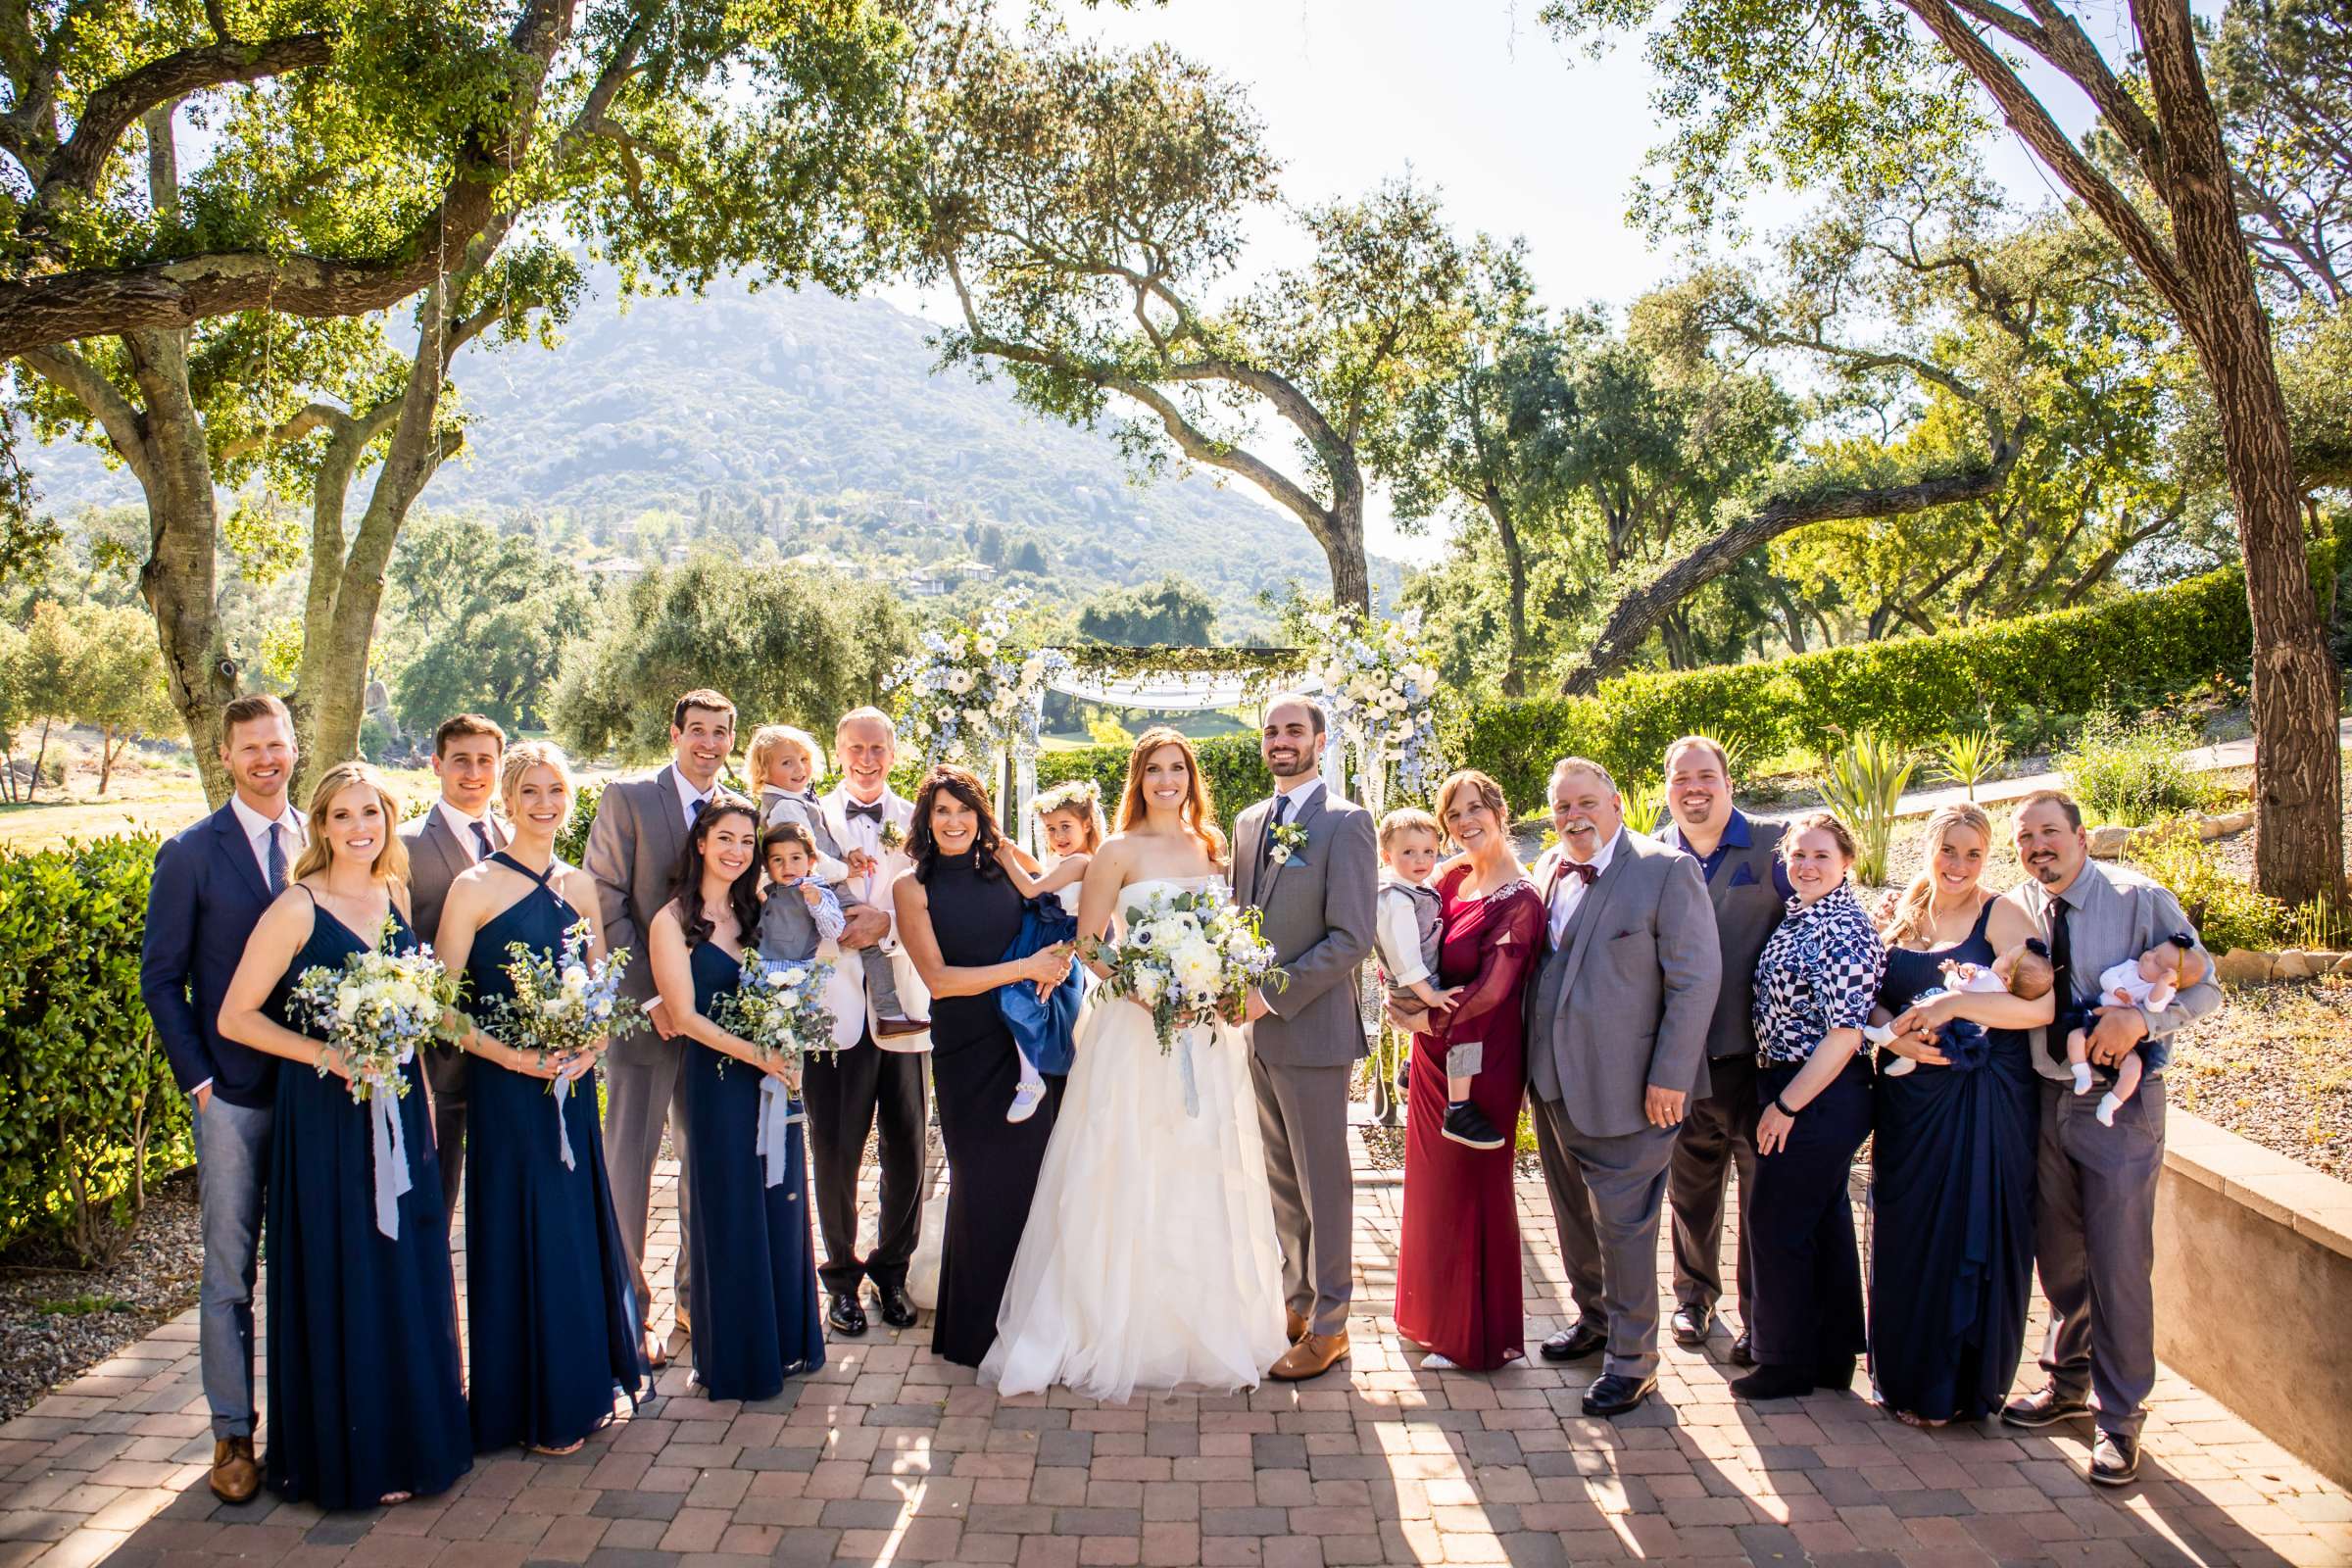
(1568, 893)
(1290, 803)
(257, 833)
(462, 826)
(688, 795)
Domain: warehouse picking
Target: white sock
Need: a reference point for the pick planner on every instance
(1434, 1362)
(2108, 1106)
(2082, 1077)
(1899, 1067)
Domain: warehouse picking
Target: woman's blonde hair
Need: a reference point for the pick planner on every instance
(1082, 798)
(770, 739)
(1198, 816)
(1828, 823)
(391, 862)
(1488, 791)
(521, 758)
(1913, 918)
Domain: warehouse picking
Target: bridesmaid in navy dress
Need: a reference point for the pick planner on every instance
(552, 1316)
(367, 1399)
(1953, 1155)
(756, 1318)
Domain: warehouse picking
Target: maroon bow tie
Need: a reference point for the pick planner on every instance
(1583, 870)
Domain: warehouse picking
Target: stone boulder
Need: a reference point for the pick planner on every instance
(2241, 966)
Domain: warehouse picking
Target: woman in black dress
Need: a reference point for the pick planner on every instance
(958, 915)
(1951, 1269)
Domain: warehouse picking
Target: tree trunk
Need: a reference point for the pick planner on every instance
(2299, 843)
(1639, 610)
(40, 755)
(106, 756)
(1343, 538)
(1514, 569)
(179, 579)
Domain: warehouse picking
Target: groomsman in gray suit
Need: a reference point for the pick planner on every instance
(1616, 1050)
(1310, 862)
(1749, 890)
(633, 852)
(458, 833)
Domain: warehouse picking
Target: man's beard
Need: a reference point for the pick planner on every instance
(1301, 764)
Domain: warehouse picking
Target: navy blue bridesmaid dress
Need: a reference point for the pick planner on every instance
(755, 1271)
(1952, 1175)
(552, 1316)
(367, 1395)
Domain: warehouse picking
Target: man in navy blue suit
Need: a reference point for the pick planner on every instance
(212, 883)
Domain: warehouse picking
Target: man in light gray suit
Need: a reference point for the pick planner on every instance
(1310, 862)
(633, 852)
(1616, 1052)
(456, 835)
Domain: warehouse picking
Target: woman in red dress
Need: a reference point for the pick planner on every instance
(1457, 1259)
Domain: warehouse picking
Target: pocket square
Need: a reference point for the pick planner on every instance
(1742, 877)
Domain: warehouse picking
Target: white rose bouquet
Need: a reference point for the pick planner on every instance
(1189, 959)
(780, 1011)
(563, 1002)
(374, 1013)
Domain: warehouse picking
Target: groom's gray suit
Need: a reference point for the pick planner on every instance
(1621, 1002)
(1319, 916)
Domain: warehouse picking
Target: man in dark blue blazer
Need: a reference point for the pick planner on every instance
(212, 883)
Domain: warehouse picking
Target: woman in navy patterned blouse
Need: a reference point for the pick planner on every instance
(1816, 981)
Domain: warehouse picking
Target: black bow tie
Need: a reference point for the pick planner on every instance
(872, 814)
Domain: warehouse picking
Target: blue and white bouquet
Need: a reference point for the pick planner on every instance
(1190, 960)
(563, 1002)
(1382, 689)
(970, 688)
(780, 1011)
(374, 1012)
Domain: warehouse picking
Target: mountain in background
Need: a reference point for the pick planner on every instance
(784, 426)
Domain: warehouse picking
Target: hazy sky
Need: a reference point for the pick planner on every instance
(1523, 135)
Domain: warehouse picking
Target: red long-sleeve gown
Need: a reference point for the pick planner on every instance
(1458, 1288)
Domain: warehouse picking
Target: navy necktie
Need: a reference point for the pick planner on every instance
(694, 811)
(277, 857)
(482, 846)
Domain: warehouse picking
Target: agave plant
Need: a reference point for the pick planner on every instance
(1864, 784)
(1644, 804)
(1968, 758)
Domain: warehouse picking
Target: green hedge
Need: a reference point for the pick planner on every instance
(89, 1113)
(2128, 652)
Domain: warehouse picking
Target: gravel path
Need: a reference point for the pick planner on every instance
(58, 1320)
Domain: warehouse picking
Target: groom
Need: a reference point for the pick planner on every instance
(1307, 860)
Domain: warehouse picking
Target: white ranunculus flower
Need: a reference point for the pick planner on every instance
(1198, 968)
(792, 976)
(1147, 986)
(986, 647)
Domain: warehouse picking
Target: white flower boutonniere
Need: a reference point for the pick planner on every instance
(1288, 840)
(892, 837)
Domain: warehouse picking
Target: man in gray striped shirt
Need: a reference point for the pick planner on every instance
(2095, 1213)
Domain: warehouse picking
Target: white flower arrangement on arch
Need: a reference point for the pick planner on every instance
(1382, 691)
(970, 689)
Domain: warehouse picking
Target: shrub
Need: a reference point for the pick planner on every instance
(2131, 773)
(88, 1111)
(1863, 782)
(1968, 758)
(2227, 912)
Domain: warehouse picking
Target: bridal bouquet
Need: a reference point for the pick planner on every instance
(374, 1012)
(563, 1003)
(780, 1011)
(1188, 958)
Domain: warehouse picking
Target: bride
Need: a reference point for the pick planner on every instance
(1148, 1260)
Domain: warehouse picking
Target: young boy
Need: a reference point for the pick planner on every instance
(786, 761)
(2150, 981)
(1404, 935)
(799, 919)
(2023, 971)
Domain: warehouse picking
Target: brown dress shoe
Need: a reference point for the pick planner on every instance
(235, 1475)
(1312, 1356)
(1294, 1327)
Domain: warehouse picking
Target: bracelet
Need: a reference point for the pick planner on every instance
(1781, 1105)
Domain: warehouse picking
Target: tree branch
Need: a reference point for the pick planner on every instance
(125, 429)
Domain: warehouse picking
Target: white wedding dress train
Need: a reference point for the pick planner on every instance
(1148, 1260)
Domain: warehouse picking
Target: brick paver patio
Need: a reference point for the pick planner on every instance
(889, 1455)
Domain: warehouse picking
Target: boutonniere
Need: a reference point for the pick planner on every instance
(1288, 840)
(892, 835)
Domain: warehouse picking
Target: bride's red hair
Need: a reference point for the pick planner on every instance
(1198, 816)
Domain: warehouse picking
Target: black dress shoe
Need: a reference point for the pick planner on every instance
(1744, 1350)
(1690, 1322)
(1614, 1393)
(898, 1308)
(845, 1316)
(1575, 1345)
(1835, 1375)
(2043, 1407)
(1773, 1383)
(2114, 1458)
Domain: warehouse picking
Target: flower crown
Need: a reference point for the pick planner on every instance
(1072, 793)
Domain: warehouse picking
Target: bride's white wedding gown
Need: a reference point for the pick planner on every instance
(1148, 1260)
